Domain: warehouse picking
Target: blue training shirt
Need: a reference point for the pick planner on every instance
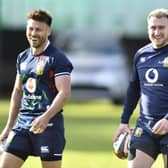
(148, 84)
(38, 74)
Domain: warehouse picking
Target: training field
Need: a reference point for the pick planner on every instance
(89, 129)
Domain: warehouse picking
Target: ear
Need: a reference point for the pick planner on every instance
(49, 31)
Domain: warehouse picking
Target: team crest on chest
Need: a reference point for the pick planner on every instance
(40, 67)
(31, 85)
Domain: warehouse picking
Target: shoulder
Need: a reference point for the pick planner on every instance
(24, 53)
(143, 51)
(146, 48)
(59, 62)
(54, 51)
(57, 54)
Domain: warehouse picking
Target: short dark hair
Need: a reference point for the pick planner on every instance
(41, 16)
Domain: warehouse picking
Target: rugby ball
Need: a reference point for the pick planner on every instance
(120, 146)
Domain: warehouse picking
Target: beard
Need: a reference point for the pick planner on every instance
(36, 43)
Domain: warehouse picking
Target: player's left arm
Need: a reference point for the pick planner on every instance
(63, 86)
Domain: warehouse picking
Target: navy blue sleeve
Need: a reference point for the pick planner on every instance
(132, 96)
(62, 65)
(19, 65)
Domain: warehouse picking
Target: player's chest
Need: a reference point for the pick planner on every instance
(35, 66)
(154, 69)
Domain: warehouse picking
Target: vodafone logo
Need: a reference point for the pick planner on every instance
(31, 85)
(151, 75)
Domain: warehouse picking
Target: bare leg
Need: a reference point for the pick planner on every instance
(10, 161)
(51, 164)
(142, 160)
(165, 157)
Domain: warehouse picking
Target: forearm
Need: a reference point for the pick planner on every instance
(57, 104)
(64, 89)
(14, 107)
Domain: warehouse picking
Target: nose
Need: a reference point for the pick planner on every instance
(33, 32)
(157, 31)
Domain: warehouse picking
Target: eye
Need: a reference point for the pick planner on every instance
(153, 28)
(30, 28)
(38, 29)
(161, 27)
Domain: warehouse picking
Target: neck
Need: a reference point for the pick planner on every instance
(159, 46)
(40, 49)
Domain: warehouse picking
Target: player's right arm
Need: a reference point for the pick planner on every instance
(14, 108)
(130, 101)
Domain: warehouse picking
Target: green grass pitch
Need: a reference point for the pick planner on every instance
(89, 128)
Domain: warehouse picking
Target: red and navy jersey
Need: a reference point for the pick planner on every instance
(38, 73)
(148, 84)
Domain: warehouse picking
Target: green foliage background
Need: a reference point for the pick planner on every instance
(89, 127)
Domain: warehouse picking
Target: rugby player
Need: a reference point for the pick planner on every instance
(41, 89)
(149, 86)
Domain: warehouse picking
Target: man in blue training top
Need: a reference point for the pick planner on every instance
(41, 89)
(149, 86)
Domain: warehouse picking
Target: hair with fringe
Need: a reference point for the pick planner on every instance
(41, 16)
(158, 13)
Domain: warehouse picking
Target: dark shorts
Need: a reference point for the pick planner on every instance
(48, 145)
(145, 140)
